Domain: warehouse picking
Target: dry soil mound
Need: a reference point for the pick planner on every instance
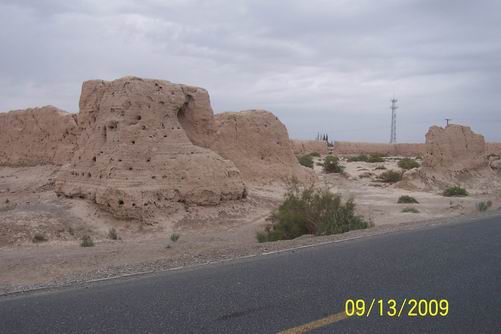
(454, 148)
(135, 152)
(258, 143)
(454, 155)
(37, 136)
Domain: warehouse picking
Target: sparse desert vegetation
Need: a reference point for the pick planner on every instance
(306, 160)
(391, 176)
(331, 165)
(39, 237)
(406, 199)
(370, 158)
(410, 210)
(86, 241)
(113, 234)
(308, 210)
(484, 205)
(408, 163)
(455, 191)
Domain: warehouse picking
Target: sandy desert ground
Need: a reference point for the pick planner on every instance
(28, 205)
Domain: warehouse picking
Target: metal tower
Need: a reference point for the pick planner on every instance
(394, 107)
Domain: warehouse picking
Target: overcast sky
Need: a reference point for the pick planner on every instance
(321, 66)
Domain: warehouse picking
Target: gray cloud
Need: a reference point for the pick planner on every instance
(324, 65)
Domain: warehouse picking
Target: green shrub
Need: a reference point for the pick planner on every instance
(484, 206)
(306, 160)
(331, 165)
(374, 158)
(112, 234)
(455, 191)
(315, 154)
(391, 176)
(408, 163)
(306, 210)
(86, 241)
(174, 237)
(39, 237)
(410, 210)
(261, 236)
(380, 167)
(360, 157)
(407, 199)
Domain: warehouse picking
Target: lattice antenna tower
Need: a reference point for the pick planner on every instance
(394, 107)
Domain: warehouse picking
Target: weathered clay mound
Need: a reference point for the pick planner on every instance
(309, 146)
(454, 155)
(258, 143)
(454, 148)
(37, 136)
(135, 152)
(493, 148)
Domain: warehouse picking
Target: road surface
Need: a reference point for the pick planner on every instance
(292, 291)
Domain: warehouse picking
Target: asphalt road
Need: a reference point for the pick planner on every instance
(458, 262)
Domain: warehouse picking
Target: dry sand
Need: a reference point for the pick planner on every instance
(29, 205)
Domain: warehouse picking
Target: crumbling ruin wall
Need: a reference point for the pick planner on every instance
(259, 145)
(37, 136)
(135, 153)
(454, 148)
(455, 155)
(309, 146)
(348, 148)
(493, 148)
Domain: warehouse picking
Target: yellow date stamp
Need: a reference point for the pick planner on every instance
(408, 307)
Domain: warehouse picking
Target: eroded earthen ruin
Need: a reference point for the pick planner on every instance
(259, 145)
(309, 146)
(37, 136)
(135, 154)
(454, 148)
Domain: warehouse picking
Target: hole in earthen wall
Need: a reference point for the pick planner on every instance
(185, 116)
